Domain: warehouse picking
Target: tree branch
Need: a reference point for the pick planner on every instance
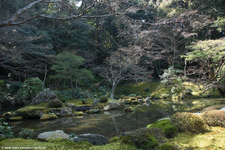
(12, 20)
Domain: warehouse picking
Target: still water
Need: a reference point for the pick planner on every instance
(113, 123)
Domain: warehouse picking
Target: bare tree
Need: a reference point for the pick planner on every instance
(118, 68)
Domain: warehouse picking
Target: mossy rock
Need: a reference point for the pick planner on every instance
(145, 138)
(127, 101)
(18, 118)
(8, 115)
(78, 113)
(49, 116)
(138, 97)
(32, 112)
(133, 98)
(166, 125)
(167, 146)
(214, 117)
(136, 102)
(189, 122)
(62, 112)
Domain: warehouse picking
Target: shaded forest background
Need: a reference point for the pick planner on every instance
(149, 35)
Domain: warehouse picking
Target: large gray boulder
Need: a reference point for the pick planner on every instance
(45, 96)
(95, 139)
(53, 135)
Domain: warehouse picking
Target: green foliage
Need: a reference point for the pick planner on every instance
(55, 104)
(63, 100)
(145, 138)
(103, 90)
(72, 135)
(31, 87)
(26, 134)
(189, 122)
(114, 139)
(167, 146)
(6, 130)
(103, 99)
(167, 127)
(220, 24)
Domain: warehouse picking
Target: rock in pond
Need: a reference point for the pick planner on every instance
(95, 139)
(82, 108)
(8, 115)
(49, 116)
(16, 118)
(78, 113)
(70, 105)
(45, 96)
(106, 108)
(31, 112)
(114, 104)
(90, 111)
(53, 135)
(65, 111)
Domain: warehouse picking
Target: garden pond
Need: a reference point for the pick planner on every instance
(114, 122)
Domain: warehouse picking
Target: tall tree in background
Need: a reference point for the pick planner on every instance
(67, 66)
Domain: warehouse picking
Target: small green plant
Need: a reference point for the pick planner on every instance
(165, 124)
(27, 134)
(132, 95)
(103, 99)
(55, 104)
(72, 135)
(6, 130)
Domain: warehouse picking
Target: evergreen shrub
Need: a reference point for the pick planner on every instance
(26, 134)
(103, 99)
(55, 104)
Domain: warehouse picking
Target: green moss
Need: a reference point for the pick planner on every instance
(114, 139)
(167, 146)
(32, 112)
(168, 129)
(56, 144)
(49, 116)
(145, 138)
(213, 140)
(189, 122)
(138, 87)
(16, 118)
(164, 92)
(78, 113)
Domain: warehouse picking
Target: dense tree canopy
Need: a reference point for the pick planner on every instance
(154, 33)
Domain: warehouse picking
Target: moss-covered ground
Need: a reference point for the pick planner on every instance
(214, 140)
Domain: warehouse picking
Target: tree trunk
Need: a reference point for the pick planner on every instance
(45, 75)
(222, 91)
(71, 84)
(113, 90)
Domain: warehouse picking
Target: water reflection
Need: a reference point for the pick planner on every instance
(112, 123)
